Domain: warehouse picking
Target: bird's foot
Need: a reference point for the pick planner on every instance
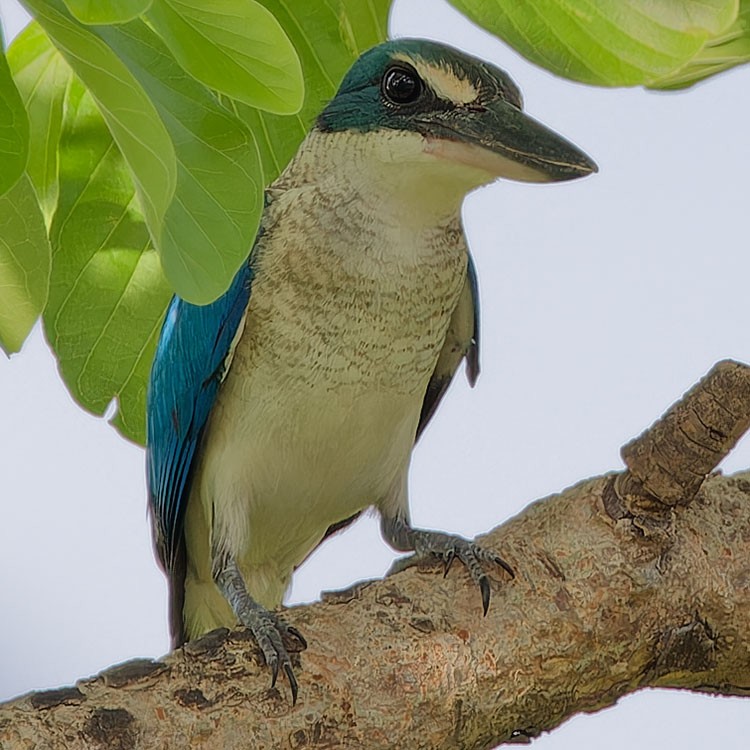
(275, 637)
(429, 545)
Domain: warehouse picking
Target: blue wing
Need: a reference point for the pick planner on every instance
(190, 362)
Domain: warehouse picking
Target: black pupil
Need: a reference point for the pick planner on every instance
(401, 86)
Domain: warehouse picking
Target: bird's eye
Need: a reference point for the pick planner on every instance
(401, 85)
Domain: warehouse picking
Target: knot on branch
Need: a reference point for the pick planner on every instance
(686, 648)
(666, 464)
(113, 728)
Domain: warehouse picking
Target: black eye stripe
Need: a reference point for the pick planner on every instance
(401, 84)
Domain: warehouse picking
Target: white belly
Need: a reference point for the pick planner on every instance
(277, 473)
(293, 462)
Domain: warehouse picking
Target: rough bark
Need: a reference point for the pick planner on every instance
(620, 584)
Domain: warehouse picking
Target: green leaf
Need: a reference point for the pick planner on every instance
(328, 42)
(14, 128)
(130, 115)
(605, 42)
(107, 11)
(718, 54)
(24, 264)
(42, 77)
(107, 292)
(206, 224)
(234, 46)
(211, 224)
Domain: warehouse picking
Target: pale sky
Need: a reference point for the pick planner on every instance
(602, 301)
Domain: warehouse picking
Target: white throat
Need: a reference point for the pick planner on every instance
(394, 172)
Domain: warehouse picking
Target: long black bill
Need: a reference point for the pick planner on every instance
(506, 142)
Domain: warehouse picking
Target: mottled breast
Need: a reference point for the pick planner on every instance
(344, 296)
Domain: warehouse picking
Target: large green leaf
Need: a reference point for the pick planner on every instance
(14, 128)
(107, 11)
(205, 227)
(328, 40)
(605, 42)
(107, 292)
(24, 264)
(720, 53)
(42, 77)
(130, 114)
(210, 225)
(234, 46)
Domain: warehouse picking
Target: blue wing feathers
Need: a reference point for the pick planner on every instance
(185, 377)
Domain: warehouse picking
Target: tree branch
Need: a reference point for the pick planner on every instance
(612, 593)
(668, 462)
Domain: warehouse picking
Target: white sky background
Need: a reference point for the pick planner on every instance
(602, 301)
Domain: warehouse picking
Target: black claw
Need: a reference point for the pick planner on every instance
(292, 682)
(450, 556)
(504, 565)
(293, 631)
(274, 671)
(484, 587)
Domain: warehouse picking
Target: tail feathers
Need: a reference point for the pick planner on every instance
(176, 580)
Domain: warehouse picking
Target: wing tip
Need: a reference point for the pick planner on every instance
(472, 363)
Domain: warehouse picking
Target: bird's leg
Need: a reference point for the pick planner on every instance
(268, 629)
(428, 545)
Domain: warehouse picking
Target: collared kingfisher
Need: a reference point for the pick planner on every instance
(282, 410)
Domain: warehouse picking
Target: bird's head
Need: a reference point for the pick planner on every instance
(442, 115)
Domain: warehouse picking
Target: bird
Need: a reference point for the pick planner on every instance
(284, 409)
